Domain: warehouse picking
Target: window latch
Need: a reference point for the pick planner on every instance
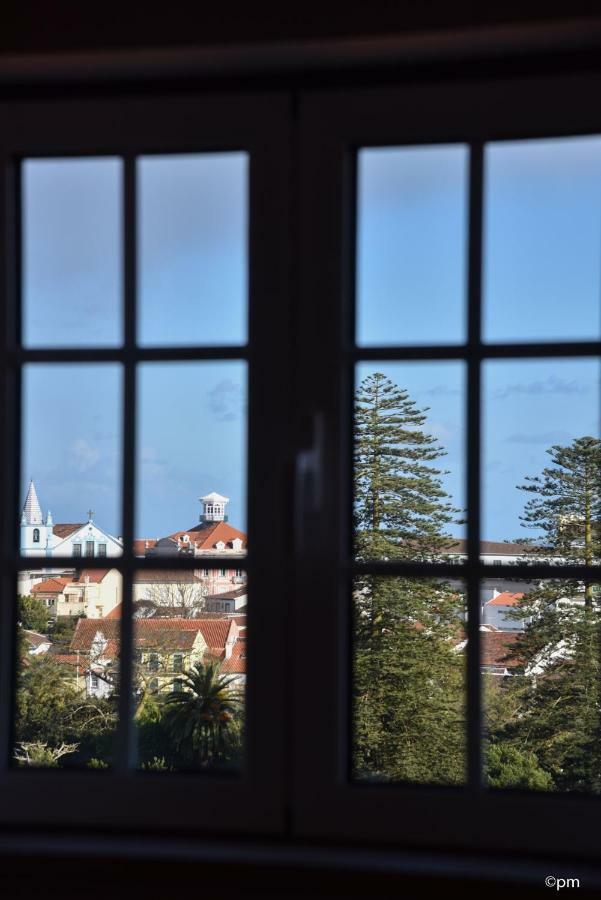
(309, 484)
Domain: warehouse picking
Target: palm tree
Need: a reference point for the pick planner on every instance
(203, 717)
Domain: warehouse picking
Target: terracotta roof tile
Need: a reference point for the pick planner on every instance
(505, 599)
(167, 633)
(141, 545)
(94, 576)
(494, 647)
(51, 585)
(63, 531)
(236, 664)
(207, 536)
(165, 576)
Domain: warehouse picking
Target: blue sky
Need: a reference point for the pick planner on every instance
(542, 280)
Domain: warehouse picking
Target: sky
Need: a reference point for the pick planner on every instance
(541, 281)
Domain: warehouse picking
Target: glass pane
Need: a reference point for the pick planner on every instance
(190, 669)
(68, 667)
(193, 248)
(542, 273)
(541, 672)
(409, 461)
(541, 435)
(408, 680)
(192, 460)
(411, 253)
(72, 258)
(71, 460)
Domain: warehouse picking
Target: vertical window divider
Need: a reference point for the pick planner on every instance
(10, 458)
(125, 749)
(473, 460)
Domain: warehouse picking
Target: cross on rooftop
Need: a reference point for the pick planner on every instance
(90, 514)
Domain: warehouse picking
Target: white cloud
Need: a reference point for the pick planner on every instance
(83, 455)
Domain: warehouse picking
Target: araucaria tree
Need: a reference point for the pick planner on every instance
(559, 696)
(408, 677)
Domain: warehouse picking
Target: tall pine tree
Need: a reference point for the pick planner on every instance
(558, 698)
(408, 677)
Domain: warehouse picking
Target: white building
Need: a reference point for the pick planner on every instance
(41, 537)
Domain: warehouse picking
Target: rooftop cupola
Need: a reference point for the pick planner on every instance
(213, 508)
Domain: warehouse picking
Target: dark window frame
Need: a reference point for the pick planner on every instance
(326, 803)
(128, 127)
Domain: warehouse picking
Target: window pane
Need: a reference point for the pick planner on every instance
(190, 670)
(68, 667)
(409, 461)
(71, 460)
(72, 261)
(541, 669)
(542, 274)
(541, 421)
(192, 460)
(408, 680)
(411, 245)
(193, 248)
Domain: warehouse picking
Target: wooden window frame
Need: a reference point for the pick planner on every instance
(129, 127)
(335, 124)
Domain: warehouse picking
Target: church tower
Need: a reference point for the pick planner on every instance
(35, 534)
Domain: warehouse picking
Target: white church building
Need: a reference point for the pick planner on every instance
(41, 537)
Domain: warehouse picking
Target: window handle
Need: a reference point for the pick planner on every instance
(309, 484)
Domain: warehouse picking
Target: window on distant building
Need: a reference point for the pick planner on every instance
(89, 548)
(178, 686)
(178, 662)
(153, 662)
(76, 549)
(101, 549)
(36, 535)
(153, 685)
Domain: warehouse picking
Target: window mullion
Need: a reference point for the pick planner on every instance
(474, 703)
(125, 751)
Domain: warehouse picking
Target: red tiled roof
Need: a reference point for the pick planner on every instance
(207, 536)
(236, 664)
(167, 633)
(63, 531)
(141, 545)
(69, 659)
(115, 613)
(35, 639)
(494, 647)
(165, 576)
(51, 585)
(230, 595)
(505, 599)
(94, 576)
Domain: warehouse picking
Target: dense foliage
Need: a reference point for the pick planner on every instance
(557, 701)
(408, 678)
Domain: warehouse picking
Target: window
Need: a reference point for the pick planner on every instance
(177, 686)
(432, 217)
(440, 329)
(36, 535)
(101, 549)
(178, 662)
(194, 172)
